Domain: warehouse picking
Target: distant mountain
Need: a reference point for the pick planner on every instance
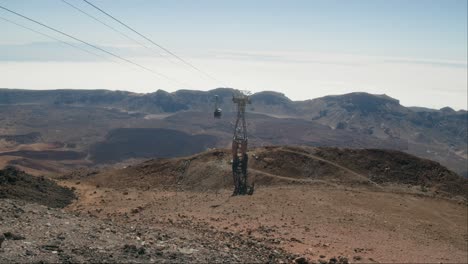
(440, 135)
(157, 102)
(437, 134)
(384, 117)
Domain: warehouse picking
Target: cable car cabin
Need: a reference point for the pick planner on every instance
(217, 113)
(217, 109)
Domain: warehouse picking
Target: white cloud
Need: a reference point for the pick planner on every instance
(429, 83)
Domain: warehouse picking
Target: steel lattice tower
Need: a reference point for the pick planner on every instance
(239, 146)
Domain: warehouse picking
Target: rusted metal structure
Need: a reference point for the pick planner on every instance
(239, 146)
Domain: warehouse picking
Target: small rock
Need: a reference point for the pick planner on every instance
(322, 256)
(50, 247)
(293, 239)
(136, 210)
(2, 238)
(11, 236)
(141, 251)
(343, 260)
(301, 260)
(132, 249)
(129, 248)
(187, 250)
(357, 250)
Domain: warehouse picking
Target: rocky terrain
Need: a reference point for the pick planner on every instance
(308, 207)
(39, 234)
(355, 178)
(33, 228)
(15, 184)
(89, 121)
(440, 135)
(304, 202)
(269, 166)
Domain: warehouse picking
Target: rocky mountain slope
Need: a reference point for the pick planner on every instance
(34, 229)
(383, 117)
(311, 205)
(268, 166)
(83, 118)
(319, 203)
(15, 184)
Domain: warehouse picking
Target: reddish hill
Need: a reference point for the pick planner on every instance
(288, 165)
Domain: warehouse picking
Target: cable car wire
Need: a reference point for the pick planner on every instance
(112, 28)
(56, 39)
(151, 49)
(94, 46)
(154, 43)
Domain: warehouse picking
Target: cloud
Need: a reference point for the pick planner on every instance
(332, 58)
(57, 51)
(299, 75)
(440, 63)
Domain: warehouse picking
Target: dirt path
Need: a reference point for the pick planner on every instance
(334, 164)
(289, 178)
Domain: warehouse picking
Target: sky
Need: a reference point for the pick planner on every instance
(414, 51)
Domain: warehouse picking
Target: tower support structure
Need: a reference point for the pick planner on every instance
(239, 146)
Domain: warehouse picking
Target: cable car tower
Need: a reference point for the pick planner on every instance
(239, 146)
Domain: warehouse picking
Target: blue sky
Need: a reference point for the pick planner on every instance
(303, 48)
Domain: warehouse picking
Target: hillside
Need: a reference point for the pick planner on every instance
(15, 184)
(326, 205)
(268, 166)
(84, 120)
(35, 228)
(311, 204)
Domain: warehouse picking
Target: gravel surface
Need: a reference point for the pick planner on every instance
(33, 233)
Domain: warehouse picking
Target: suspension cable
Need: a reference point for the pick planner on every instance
(154, 43)
(94, 46)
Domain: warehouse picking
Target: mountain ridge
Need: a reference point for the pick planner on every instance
(351, 119)
(7, 94)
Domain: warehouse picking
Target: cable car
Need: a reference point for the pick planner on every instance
(217, 110)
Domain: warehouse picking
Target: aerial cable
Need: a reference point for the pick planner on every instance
(112, 28)
(119, 32)
(154, 43)
(93, 46)
(56, 39)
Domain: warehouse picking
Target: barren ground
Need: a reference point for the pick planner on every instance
(313, 220)
(327, 205)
